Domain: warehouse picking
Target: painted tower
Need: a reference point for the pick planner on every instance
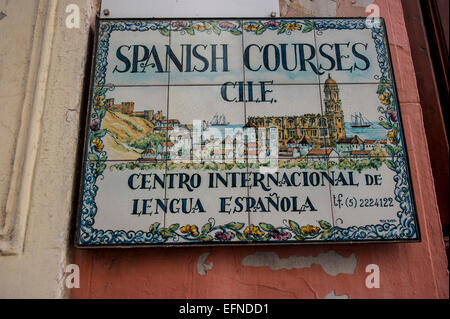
(333, 111)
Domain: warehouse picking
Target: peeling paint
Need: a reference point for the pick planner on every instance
(332, 295)
(310, 8)
(201, 266)
(331, 262)
(71, 115)
(362, 3)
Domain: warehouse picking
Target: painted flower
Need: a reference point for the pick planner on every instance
(277, 235)
(272, 23)
(253, 230)
(227, 25)
(250, 27)
(292, 26)
(224, 235)
(392, 115)
(392, 136)
(98, 144)
(201, 27)
(185, 229)
(95, 125)
(309, 230)
(179, 24)
(99, 101)
(384, 98)
(192, 229)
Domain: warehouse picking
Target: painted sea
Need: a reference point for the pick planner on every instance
(374, 132)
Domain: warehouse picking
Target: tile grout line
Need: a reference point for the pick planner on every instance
(167, 129)
(245, 118)
(327, 158)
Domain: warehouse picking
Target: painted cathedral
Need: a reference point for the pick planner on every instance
(322, 129)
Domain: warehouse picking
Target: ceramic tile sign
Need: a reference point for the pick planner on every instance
(243, 131)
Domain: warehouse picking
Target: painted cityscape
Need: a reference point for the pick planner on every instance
(318, 141)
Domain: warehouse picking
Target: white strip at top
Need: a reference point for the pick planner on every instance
(189, 8)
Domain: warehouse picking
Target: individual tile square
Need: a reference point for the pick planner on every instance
(205, 52)
(289, 204)
(352, 51)
(374, 203)
(128, 123)
(363, 120)
(280, 51)
(129, 199)
(206, 127)
(132, 53)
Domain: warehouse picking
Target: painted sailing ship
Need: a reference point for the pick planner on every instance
(358, 120)
(218, 120)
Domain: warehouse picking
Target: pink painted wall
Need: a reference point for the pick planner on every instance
(415, 270)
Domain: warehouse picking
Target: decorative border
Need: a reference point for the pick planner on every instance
(209, 232)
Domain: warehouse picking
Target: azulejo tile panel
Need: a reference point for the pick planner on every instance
(243, 131)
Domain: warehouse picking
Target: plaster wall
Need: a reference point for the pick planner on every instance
(42, 67)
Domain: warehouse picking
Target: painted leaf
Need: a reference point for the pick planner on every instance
(165, 233)
(390, 164)
(235, 32)
(324, 224)
(390, 150)
(326, 234)
(173, 227)
(101, 113)
(386, 125)
(164, 31)
(267, 227)
(190, 30)
(299, 237)
(281, 30)
(294, 226)
(100, 169)
(260, 29)
(216, 29)
(100, 133)
(154, 227)
(307, 29)
(206, 228)
(381, 89)
(241, 236)
(234, 225)
(92, 157)
(205, 238)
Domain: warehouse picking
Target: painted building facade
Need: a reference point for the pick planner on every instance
(323, 129)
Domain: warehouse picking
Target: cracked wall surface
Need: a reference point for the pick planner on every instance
(331, 262)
